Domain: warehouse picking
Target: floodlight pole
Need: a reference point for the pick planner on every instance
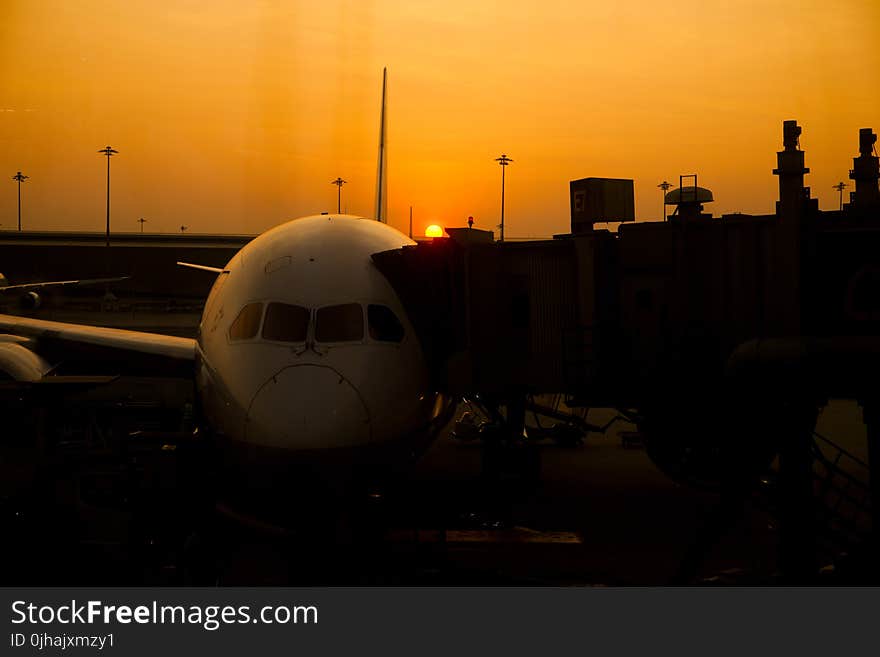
(339, 182)
(20, 178)
(839, 187)
(109, 152)
(665, 187)
(503, 161)
(142, 221)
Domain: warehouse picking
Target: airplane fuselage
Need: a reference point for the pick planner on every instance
(305, 349)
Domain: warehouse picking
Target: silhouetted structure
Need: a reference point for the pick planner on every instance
(664, 187)
(503, 161)
(108, 152)
(339, 182)
(724, 335)
(20, 178)
(688, 200)
(600, 200)
(865, 172)
(840, 187)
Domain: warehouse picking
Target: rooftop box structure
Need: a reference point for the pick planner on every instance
(596, 200)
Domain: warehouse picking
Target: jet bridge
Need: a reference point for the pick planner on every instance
(721, 337)
(494, 316)
(657, 307)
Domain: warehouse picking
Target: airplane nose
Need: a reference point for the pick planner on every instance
(307, 407)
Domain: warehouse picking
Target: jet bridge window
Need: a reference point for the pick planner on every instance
(384, 325)
(286, 323)
(247, 323)
(342, 323)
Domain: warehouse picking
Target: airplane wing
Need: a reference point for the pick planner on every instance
(29, 287)
(146, 343)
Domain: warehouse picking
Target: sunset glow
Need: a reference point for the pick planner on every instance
(232, 117)
(433, 231)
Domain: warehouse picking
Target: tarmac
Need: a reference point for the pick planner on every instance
(595, 514)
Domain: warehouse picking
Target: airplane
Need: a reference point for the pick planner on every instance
(29, 293)
(17, 362)
(305, 356)
(306, 366)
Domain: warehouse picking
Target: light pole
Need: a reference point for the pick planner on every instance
(109, 152)
(20, 178)
(839, 187)
(665, 187)
(183, 229)
(339, 182)
(142, 221)
(503, 161)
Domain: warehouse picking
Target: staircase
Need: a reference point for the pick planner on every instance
(842, 496)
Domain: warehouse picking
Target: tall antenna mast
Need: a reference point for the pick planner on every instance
(381, 201)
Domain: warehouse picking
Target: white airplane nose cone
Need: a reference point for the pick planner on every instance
(307, 407)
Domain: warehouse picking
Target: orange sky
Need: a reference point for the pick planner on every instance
(234, 116)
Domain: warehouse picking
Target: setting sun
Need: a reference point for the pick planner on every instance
(433, 231)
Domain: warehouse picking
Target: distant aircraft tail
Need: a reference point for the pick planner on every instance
(381, 184)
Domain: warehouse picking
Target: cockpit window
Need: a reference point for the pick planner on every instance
(247, 323)
(286, 323)
(342, 323)
(384, 325)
